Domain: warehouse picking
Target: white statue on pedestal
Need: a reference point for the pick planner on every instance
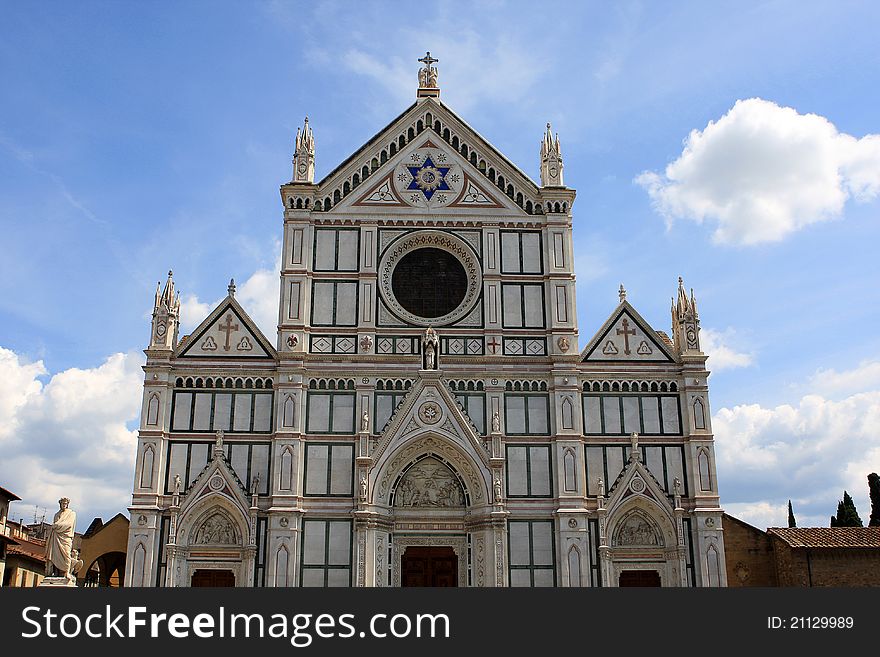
(59, 543)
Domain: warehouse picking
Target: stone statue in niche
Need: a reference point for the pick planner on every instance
(601, 484)
(498, 495)
(216, 530)
(363, 488)
(428, 483)
(636, 531)
(676, 486)
(365, 422)
(430, 345)
(177, 484)
(496, 422)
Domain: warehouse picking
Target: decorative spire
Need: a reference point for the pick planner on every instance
(428, 78)
(166, 312)
(304, 155)
(622, 293)
(231, 289)
(167, 300)
(685, 320)
(551, 160)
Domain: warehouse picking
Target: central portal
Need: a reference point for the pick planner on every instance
(213, 578)
(429, 566)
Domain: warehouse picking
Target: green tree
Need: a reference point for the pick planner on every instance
(791, 521)
(847, 516)
(874, 489)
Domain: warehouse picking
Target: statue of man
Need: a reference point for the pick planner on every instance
(363, 487)
(430, 343)
(365, 422)
(59, 543)
(498, 495)
(496, 422)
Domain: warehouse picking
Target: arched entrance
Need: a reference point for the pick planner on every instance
(639, 578)
(213, 577)
(429, 566)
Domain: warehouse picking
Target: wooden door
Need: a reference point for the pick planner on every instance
(222, 578)
(429, 566)
(639, 578)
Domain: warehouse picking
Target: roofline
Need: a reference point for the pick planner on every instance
(8, 493)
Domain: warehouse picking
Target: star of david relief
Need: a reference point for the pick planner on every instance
(428, 177)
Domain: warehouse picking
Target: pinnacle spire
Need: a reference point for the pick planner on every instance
(551, 160)
(304, 154)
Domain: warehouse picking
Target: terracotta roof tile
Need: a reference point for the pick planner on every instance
(828, 537)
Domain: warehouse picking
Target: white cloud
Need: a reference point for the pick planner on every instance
(193, 311)
(718, 346)
(832, 383)
(762, 171)
(760, 514)
(70, 436)
(809, 452)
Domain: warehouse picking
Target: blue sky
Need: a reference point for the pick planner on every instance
(138, 137)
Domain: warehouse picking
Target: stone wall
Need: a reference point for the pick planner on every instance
(749, 553)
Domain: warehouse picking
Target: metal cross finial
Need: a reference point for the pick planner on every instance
(427, 60)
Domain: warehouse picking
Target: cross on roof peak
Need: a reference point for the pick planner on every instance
(427, 60)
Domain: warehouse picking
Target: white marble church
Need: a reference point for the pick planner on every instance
(424, 416)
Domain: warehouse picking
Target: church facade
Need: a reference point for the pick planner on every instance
(424, 415)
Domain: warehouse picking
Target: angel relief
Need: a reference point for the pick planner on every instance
(429, 483)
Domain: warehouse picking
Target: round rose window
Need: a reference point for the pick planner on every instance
(430, 278)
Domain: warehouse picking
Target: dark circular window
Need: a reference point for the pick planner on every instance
(429, 282)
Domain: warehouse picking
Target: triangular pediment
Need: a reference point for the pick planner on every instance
(429, 406)
(636, 480)
(228, 332)
(626, 337)
(411, 167)
(217, 478)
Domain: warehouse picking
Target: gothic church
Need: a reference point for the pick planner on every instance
(424, 415)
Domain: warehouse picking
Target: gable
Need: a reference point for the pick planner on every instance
(228, 332)
(626, 337)
(377, 176)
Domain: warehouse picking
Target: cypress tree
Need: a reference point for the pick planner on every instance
(847, 515)
(874, 488)
(791, 521)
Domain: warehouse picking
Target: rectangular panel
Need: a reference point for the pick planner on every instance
(241, 418)
(490, 251)
(517, 483)
(340, 543)
(561, 304)
(343, 414)
(198, 459)
(322, 303)
(260, 466)
(595, 469)
(540, 470)
(592, 419)
(177, 464)
(631, 415)
(538, 415)
(675, 467)
(543, 577)
(542, 543)
(476, 410)
(341, 466)
(515, 414)
(654, 461)
(346, 304)
(511, 303)
(318, 413)
(338, 577)
(531, 253)
(314, 544)
(316, 469)
(521, 577)
(510, 252)
(367, 314)
(384, 408)
(651, 414)
(558, 251)
(669, 407)
(239, 461)
(614, 455)
(222, 411)
(533, 297)
(296, 248)
(293, 308)
(325, 250)
(263, 412)
(611, 410)
(347, 259)
(368, 248)
(182, 411)
(519, 543)
(202, 413)
(313, 577)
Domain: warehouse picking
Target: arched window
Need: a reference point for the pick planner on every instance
(153, 410)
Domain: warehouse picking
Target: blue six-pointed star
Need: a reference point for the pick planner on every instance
(428, 178)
